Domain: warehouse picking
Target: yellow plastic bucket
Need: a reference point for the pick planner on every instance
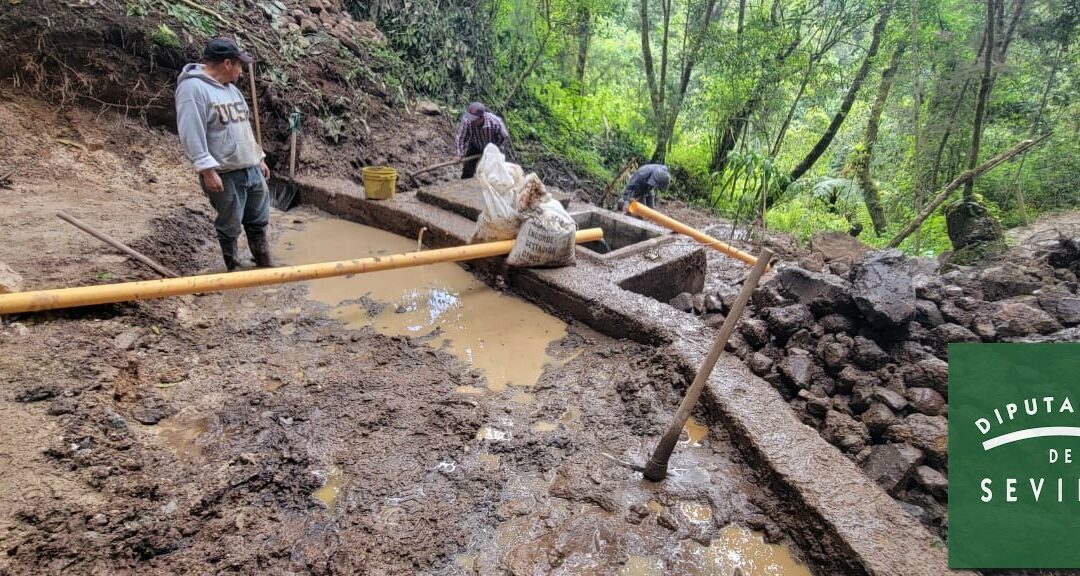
(380, 182)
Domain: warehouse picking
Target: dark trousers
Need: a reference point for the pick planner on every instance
(243, 204)
(468, 169)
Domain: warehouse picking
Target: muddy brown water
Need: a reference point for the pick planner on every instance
(510, 341)
(503, 336)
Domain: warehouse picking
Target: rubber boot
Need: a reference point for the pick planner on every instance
(228, 252)
(259, 242)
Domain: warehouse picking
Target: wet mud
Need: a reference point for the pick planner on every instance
(261, 431)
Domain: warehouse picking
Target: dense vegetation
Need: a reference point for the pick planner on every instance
(824, 114)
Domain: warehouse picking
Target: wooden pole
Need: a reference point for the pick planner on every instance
(116, 244)
(125, 292)
(255, 105)
(639, 209)
(443, 165)
(960, 180)
(656, 468)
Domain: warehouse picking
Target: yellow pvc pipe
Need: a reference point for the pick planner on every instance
(148, 289)
(638, 209)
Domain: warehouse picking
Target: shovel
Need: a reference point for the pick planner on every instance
(285, 196)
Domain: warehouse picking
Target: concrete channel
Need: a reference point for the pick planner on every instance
(837, 515)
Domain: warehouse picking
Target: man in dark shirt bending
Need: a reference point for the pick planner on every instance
(478, 128)
(644, 184)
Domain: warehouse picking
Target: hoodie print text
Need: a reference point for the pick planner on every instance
(230, 113)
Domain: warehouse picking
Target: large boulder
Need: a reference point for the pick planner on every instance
(970, 225)
(1063, 306)
(845, 432)
(1019, 319)
(838, 245)
(10, 281)
(1001, 282)
(787, 320)
(823, 293)
(882, 290)
(890, 465)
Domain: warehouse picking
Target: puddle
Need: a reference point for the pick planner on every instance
(180, 435)
(693, 433)
(331, 489)
(504, 337)
(736, 548)
(696, 512)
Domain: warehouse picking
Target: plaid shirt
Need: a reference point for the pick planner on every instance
(471, 137)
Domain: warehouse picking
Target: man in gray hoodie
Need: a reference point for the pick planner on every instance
(213, 121)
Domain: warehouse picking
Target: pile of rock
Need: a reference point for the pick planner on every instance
(857, 341)
(327, 15)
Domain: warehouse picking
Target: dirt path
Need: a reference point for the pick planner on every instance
(251, 432)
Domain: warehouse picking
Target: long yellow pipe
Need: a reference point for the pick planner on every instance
(638, 209)
(148, 289)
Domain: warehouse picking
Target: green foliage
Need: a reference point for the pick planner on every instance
(781, 73)
(164, 36)
(191, 19)
(333, 127)
(137, 8)
(447, 46)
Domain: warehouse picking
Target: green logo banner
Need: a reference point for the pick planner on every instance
(1014, 455)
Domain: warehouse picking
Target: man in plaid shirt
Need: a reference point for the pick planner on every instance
(478, 128)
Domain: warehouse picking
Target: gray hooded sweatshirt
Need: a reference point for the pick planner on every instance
(213, 121)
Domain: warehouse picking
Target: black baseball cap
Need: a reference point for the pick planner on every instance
(220, 49)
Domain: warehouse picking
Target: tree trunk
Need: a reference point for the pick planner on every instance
(967, 176)
(980, 105)
(728, 135)
(791, 111)
(1017, 184)
(849, 100)
(863, 160)
(584, 37)
(666, 109)
(916, 75)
